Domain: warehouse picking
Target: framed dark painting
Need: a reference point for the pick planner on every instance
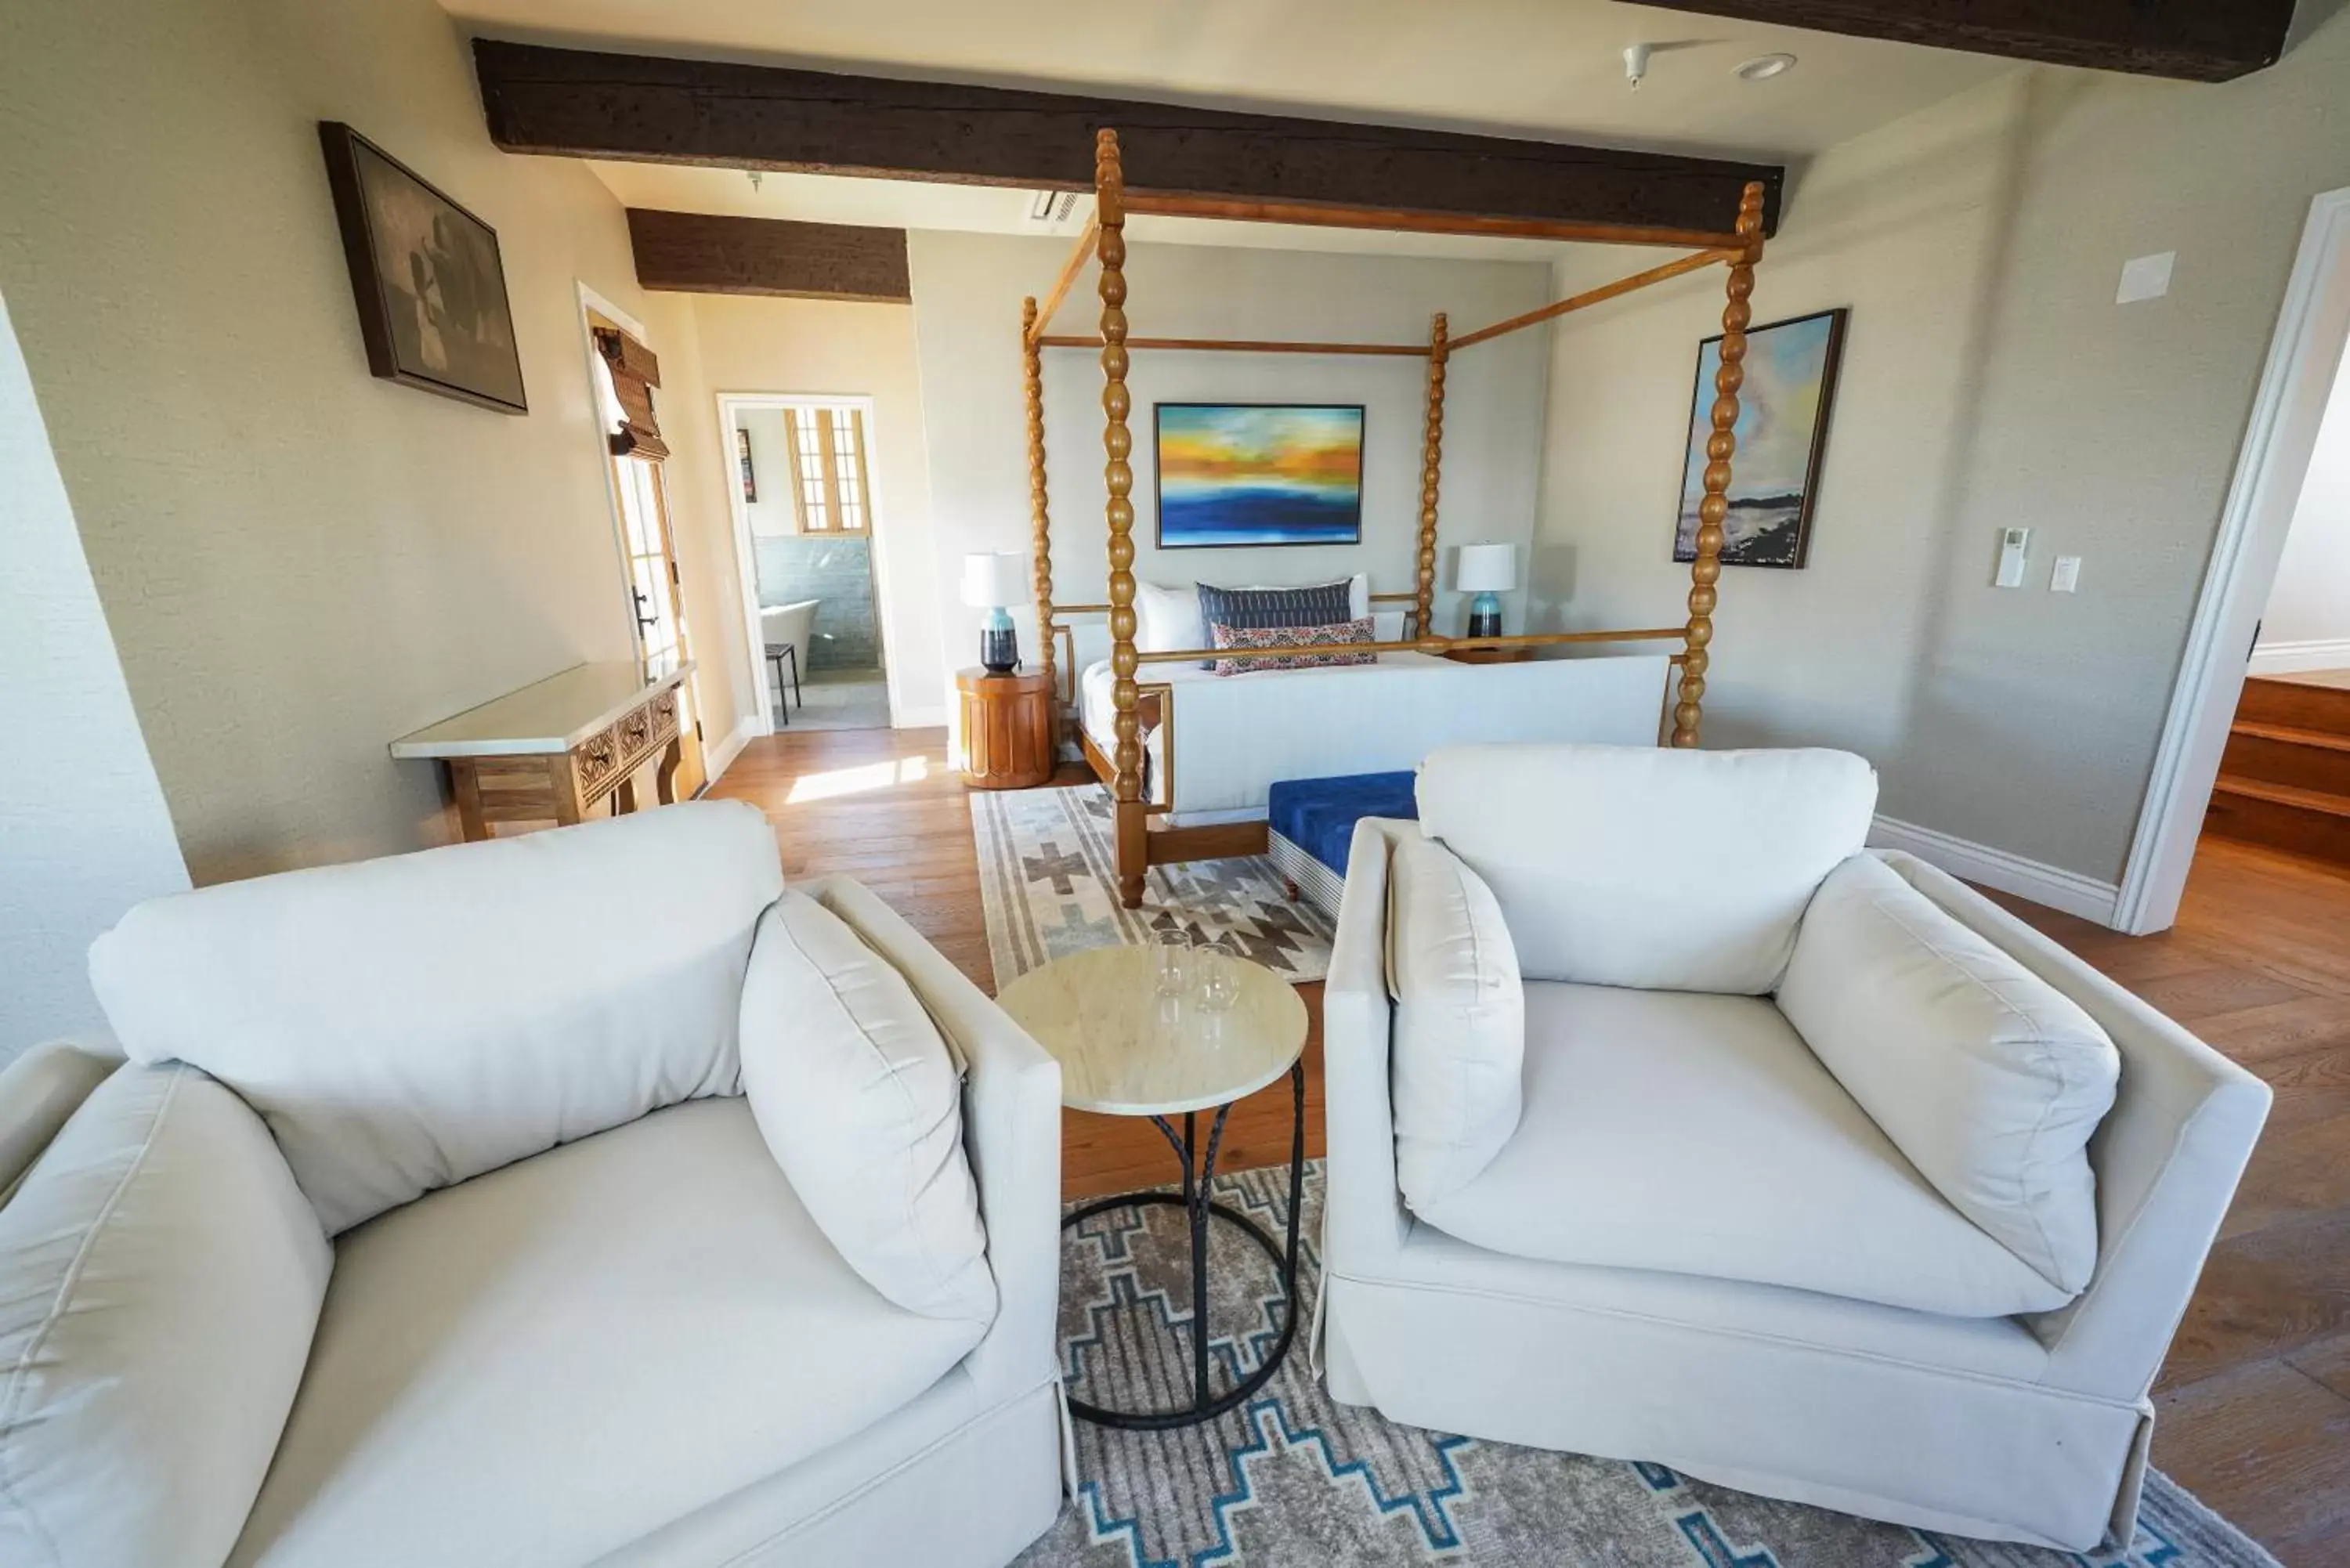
(426, 276)
(1782, 431)
(1259, 474)
(750, 474)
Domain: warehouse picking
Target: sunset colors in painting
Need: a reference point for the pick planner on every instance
(1243, 474)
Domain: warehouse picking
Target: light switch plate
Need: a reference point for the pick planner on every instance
(2013, 544)
(2145, 277)
(2067, 577)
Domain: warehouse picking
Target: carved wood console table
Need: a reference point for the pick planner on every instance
(550, 751)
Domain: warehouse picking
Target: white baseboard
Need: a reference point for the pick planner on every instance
(2048, 885)
(718, 758)
(2293, 658)
(931, 718)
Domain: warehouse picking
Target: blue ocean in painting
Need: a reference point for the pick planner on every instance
(1239, 473)
(1268, 517)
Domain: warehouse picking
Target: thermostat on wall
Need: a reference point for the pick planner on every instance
(2012, 546)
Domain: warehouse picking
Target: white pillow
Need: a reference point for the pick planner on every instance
(1988, 1078)
(1166, 620)
(407, 1023)
(159, 1281)
(1460, 1026)
(861, 1105)
(1647, 867)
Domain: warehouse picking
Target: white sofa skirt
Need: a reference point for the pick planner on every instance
(1872, 1434)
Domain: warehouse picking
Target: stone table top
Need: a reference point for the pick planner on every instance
(1127, 1051)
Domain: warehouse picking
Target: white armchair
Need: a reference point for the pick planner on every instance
(430, 1222)
(1694, 1245)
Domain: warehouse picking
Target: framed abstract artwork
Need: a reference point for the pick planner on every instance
(1782, 431)
(1259, 474)
(426, 276)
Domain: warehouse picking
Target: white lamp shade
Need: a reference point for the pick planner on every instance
(1486, 569)
(995, 579)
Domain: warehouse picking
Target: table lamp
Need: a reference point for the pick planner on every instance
(994, 580)
(1487, 571)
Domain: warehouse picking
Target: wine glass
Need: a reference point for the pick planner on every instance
(1217, 982)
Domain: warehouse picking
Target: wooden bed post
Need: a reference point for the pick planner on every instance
(1040, 540)
(1431, 471)
(1118, 445)
(1706, 570)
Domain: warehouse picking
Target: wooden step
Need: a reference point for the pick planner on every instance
(2296, 703)
(2310, 822)
(2282, 754)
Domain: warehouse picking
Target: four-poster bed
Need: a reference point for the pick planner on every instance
(1136, 757)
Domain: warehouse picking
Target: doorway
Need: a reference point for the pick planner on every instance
(806, 517)
(2257, 744)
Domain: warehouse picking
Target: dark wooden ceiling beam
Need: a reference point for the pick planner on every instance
(649, 108)
(2197, 40)
(702, 252)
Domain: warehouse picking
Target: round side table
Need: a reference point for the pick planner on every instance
(1007, 728)
(1125, 1051)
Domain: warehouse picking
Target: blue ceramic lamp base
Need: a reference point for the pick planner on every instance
(999, 643)
(1486, 616)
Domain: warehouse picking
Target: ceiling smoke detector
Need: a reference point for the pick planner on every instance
(1762, 67)
(1052, 206)
(1636, 63)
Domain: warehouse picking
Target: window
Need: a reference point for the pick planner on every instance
(644, 523)
(830, 494)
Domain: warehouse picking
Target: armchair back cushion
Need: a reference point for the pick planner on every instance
(1645, 867)
(1460, 1023)
(159, 1282)
(405, 1023)
(861, 1105)
(1986, 1077)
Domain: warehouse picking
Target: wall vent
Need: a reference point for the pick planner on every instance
(1052, 206)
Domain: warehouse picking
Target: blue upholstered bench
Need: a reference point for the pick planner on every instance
(1310, 823)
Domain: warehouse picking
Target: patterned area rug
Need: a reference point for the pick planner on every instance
(1294, 1478)
(1048, 884)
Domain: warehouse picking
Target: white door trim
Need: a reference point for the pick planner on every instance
(746, 555)
(2312, 326)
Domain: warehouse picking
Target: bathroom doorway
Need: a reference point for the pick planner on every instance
(800, 481)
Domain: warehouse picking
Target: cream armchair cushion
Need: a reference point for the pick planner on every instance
(862, 1107)
(1988, 1079)
(1683, 1133)
(1635, 865)
(1460, 1024)
(159, 1281)
(404, 1024)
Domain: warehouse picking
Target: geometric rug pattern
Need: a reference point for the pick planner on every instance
(1048, 887)
(1292, 1477)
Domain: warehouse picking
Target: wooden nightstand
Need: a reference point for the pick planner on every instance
(1489, 655)
(1007, 729)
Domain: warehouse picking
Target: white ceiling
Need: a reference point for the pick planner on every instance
(1549, 68)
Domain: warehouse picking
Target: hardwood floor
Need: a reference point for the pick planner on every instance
(2255, 1400)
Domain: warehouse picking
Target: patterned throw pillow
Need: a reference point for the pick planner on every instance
(1337, 632)
(1319, 604)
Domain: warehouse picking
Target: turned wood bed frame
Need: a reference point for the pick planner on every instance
(1141, 846)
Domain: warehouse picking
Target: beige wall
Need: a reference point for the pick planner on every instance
(967, 294)
(83, 831)
(299, 562)
(2306, 624)
(832, 348)
(1990, 379)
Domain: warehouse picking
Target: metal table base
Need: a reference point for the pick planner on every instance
(1200, 1208)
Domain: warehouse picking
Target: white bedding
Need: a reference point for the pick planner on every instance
(1235, 735)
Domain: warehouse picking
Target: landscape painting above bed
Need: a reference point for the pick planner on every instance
(1259, 474)
(1783, 429)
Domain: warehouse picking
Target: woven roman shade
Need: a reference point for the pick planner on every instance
(635, 373)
